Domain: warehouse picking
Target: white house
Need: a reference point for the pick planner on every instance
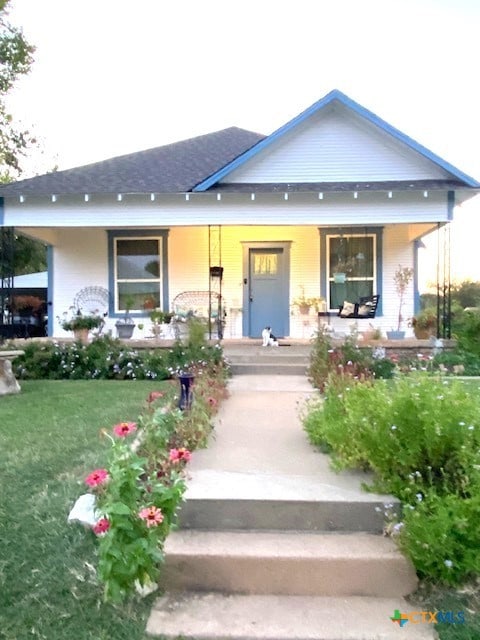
(336, 189)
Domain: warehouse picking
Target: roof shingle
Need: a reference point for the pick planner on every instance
(173, 168)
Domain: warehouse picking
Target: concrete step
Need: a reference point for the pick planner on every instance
(213, 616)
(303, 515)
(268, 368)
(286, 563)
(254, 359)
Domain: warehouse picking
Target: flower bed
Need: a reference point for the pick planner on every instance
(139, 492)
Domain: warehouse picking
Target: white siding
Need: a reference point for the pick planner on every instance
(81, 259)
(336, 145)
(232, 209)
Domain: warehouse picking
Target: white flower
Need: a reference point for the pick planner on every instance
(393, 427)
(419, 497)
(471, 427)
(462, 424)
(448, 564)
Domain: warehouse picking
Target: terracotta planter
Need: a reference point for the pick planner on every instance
(304, 309)
(81, 335)
(423, 333)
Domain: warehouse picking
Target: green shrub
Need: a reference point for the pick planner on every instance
(420, 436)
(437, 534)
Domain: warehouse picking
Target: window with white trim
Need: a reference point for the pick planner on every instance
(351, 267)
(137, 272)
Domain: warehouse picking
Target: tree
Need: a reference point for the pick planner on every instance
(30, 256)
(16, 58)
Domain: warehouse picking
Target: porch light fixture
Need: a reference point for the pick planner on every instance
(54, 197)
(252, 197)
(87, 197)
(187, 197)
(152, 197)
(119, 197)
(425, 194)
(320, 196)
(285, 196)
(390, 194)
(219, 196)
(355, 194)
(22, 199)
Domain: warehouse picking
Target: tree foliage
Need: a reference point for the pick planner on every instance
(30, 256)
(16, 58)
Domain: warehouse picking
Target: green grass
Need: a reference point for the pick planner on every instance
(49, 441)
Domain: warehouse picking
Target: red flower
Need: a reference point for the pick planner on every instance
(102, 526)
(179, 455)
(124, 429)
(152, 516)
(96, 477)
(154, 395)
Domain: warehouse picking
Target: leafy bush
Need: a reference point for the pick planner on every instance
(107, 358)
(421, 437)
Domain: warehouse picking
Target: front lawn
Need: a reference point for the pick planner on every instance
(49, 441)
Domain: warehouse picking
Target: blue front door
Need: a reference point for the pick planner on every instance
(267, 291)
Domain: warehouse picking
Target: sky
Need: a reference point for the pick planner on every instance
(116, 76)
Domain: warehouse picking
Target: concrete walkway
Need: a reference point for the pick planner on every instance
(260, 451)
(273, 545)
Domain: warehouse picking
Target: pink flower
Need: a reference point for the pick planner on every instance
(179, 455)
(212, 401)
(152, 516)
(102, 526)
(96, 477)
(154, 395)
(124, 429)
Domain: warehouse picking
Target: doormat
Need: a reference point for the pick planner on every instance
(284, 344)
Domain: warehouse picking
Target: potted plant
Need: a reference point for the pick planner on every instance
(424, 324)
(159, 318)
(402, 278)
(149, 303)
(81, 324)
(342, 269)
(25, 305)
(304, 304)
(126, 325)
